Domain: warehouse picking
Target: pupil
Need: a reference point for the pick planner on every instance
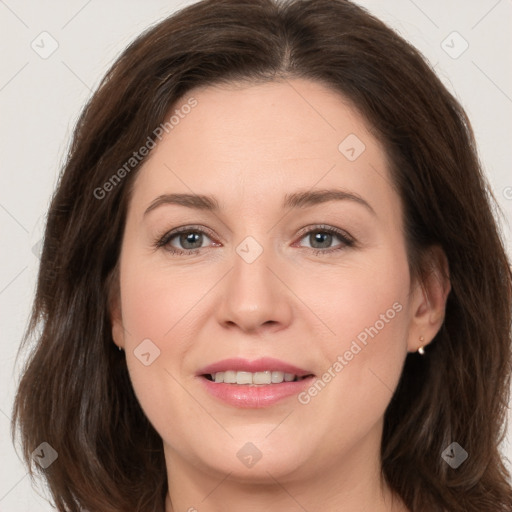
(190, 238)
(326, 238)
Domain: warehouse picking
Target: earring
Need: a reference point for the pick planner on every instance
(421, 350)
(120, 349)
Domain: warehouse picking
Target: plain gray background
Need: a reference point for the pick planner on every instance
(41, 96)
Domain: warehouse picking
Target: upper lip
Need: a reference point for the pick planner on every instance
(258, 365)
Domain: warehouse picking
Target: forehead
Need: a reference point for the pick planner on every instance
(245, 140)
(292, 119)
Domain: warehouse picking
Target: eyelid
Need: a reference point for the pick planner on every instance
(326, 228)
(166, 237)
(346, 239)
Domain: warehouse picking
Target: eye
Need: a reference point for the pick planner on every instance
(321, 238)
(190, 239)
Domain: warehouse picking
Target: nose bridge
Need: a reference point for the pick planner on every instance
(251, 279)
(254, 296)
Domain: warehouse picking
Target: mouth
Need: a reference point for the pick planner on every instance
(253, 379)
(253, 384)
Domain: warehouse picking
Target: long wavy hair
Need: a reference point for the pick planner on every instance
(75, 392)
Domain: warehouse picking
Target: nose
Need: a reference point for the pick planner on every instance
(255, 297)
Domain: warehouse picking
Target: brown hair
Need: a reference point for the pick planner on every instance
(75, 392)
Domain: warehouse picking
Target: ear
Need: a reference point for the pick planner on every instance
(114, 303)
(429, 297)
(116, 321)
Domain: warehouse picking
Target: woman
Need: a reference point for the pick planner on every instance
(368, 372)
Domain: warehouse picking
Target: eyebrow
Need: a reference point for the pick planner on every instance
(301, 199)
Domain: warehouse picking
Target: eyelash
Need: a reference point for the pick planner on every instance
(163, 240)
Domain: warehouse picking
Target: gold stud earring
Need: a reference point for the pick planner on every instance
(421, 350)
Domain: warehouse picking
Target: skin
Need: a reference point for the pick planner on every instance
(249, 146)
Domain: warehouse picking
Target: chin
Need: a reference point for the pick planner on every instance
(258, 462)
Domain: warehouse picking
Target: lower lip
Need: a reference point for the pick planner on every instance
(254, 396)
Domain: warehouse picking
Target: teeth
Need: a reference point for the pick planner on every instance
(243, 378)
(262, 378)
(277, 377)
(265, 377)
(229, 377)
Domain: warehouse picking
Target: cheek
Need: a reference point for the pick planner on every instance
(163, 308)
(156, 303)
(366, 303)
(368, 312)
(148, 309)
(153, 310)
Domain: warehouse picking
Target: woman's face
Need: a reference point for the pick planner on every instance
(299, 269)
